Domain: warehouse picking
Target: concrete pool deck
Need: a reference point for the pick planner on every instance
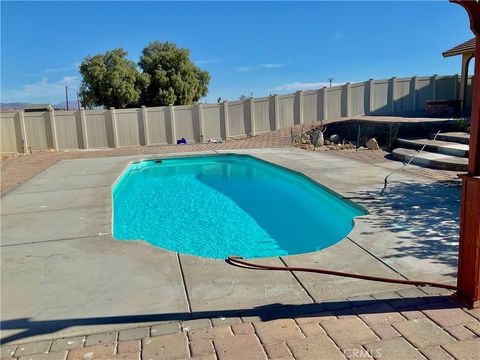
(63, 274)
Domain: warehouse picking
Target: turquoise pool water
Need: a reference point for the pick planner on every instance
(215, 206)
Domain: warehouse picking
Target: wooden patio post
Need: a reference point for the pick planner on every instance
(468, 281)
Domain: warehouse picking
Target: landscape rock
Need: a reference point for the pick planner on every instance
(305, 138)
(372, 144)
(334, 138)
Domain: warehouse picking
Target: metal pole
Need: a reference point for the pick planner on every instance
(66, 95)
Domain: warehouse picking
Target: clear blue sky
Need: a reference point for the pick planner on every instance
(259, 48)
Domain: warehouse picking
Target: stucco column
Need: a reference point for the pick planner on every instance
(23, 129)
(464, 79)
(348, 95)
(414, 93)
(226, 124)
(371, 94)
(252, 116)
(200, 122)
(276, 111)
(145, 125)
(51, 114)
(394, 94)
(300, 106)
(114, 127)
(433, 80)
(324, 96)
(171, 113)
(83, 121)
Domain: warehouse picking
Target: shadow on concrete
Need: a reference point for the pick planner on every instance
(424, 217)
(28, 327)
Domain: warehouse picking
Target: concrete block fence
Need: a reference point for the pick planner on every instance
(111, 128)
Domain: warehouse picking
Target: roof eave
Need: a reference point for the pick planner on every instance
(458, 52)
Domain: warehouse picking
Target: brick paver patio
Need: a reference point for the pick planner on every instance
(410, 324)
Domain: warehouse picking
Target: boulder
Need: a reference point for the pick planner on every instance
(305, 138)
(334, 138)
(372, 144)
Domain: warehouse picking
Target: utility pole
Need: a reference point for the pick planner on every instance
(330, 81)
(66, 95)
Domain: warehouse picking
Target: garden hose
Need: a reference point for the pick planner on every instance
(238, 261)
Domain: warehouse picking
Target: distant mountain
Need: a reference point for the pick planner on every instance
(12, 106)
(72, 105)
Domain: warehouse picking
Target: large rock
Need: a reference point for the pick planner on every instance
(334, 138)
(318, 139)
(372, 144)
(305, 138)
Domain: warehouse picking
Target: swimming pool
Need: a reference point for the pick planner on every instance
(215, 206)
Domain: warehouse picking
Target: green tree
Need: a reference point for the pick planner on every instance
(111, 80)
(174, 78)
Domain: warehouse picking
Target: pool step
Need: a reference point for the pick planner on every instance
(431, 159)
(458, 137)
(439, 146)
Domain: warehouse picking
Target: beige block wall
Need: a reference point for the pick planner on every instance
(130, 127)
(382, 97)
(334, 98)
(11, 133)
(99, 128)
(310, 106)
(159, 129)
(359, 99)
(403, 95)
(69, 129)
(211, 115)
(236, 119)
(262, 112)
(286, 107)
(424, 92)
(38, 130)
(186, 123)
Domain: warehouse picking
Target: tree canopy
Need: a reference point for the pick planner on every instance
(168, 77)
(174, 78)
(111, 80)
